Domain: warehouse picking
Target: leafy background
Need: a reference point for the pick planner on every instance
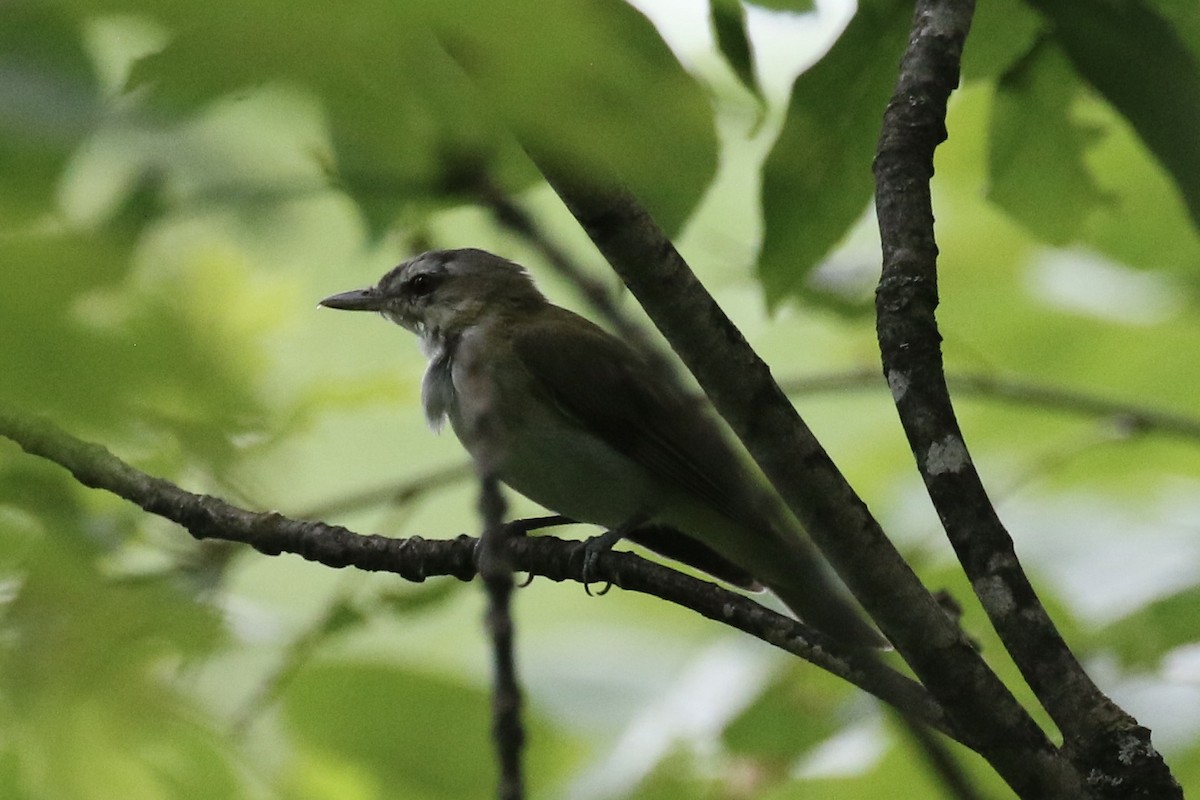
(181, 183)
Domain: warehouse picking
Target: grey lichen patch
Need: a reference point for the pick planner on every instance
(947, 455)
(1132, 749)
(898, 383)
(998, 562)
(994, 595)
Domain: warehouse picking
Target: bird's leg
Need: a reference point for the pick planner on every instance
(597, 545)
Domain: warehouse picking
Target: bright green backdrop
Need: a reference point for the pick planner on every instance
(180, 182)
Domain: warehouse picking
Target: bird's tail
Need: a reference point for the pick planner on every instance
(818, 599)
(787, 562)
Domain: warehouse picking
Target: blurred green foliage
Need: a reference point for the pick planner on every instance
(817, 179)
(181, 182)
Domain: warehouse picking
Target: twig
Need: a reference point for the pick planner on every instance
(1129, 418)
(511, 216)
(415, 559)
(944, 765)
(496, 571)
(394, 494)
(488, 430)
(516, 219)
(914, 125)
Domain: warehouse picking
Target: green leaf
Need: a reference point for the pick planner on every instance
(417, 735)
(1136, 59)
(89, 347)
(406, 125)
(1143, 222)
(421, 736)
(728, 20)
(590, 87)
(87, 663)
(799, 6)
(49, 100)
(795, 712)
(1002, 32)
(1141, 639)
(817, 179)
(1036, 159)
(589, 83)
(1186, 766)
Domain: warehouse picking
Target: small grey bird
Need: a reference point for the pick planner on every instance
(575, 419)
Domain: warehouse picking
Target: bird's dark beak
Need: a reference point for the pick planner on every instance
(356, 300)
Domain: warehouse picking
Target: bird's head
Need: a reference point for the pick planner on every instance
(440, 294)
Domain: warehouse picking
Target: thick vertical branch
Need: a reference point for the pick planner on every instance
(496, 572)
(914, 125)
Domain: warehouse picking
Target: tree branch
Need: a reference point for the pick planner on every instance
(914, 124)
(741, 388)
(496, 571)
(395, 493)
(415, 559)
(1131, 418)
(956, 781)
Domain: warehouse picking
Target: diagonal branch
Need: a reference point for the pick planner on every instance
(743, 391)
(416, 559)
(914, 124)
(910, 345)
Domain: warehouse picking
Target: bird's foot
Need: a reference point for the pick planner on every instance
(596, 546)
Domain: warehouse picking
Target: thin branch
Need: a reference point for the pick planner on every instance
(954, 779)
(415, 559)
(1130, 418)
(496, 572)
(394, 494)
(914, 125)
(511, 216)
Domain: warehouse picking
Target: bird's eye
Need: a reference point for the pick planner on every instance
(420, 285)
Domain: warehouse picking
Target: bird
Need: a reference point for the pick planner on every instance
(582, 423)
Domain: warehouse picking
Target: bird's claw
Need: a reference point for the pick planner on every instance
(587, 588)
(592, 549)
(596, 546)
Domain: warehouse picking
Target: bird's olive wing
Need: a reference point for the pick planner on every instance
(599, 381)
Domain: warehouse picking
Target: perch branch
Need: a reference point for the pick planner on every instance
(416, 559)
